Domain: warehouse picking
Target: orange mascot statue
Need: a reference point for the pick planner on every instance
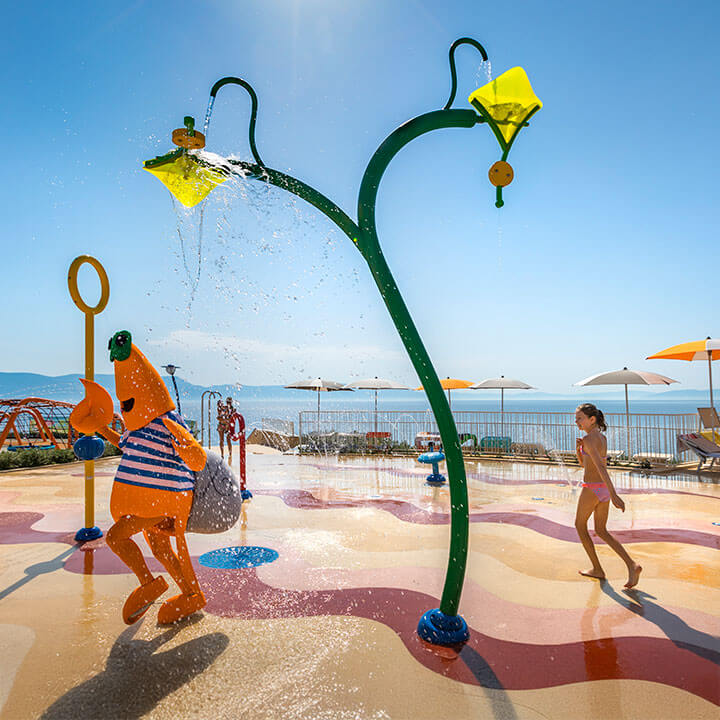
(153, 488)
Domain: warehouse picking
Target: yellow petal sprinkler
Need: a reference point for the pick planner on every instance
(505, 105)
(185, 173)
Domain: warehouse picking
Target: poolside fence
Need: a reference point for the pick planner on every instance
(638, 436)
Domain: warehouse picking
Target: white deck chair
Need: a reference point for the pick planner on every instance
(701, 446)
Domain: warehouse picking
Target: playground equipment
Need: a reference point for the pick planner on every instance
(505, 105)
(36, 422)
(210, 395)
(433, 457)
(236, 430)
(90, 531)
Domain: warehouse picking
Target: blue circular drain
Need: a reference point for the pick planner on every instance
(235, 558)
(716, 523)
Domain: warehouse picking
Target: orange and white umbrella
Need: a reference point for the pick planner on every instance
(449, 384)
(699, 350)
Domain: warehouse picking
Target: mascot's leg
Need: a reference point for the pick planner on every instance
(181, 606)
(162, 549)
(151, 588)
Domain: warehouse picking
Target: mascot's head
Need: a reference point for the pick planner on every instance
(141, 391)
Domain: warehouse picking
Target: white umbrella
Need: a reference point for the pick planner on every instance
(502, 383)
(375, 384)
(626, 377)
(319, 385)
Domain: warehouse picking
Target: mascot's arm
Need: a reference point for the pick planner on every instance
(94, 412)
(110, 435)
(186, 446)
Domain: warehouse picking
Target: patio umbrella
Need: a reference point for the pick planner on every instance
(502, 383)
(452, 384)
(375, 384)
(708, 349)
(319, 385)
(626, 377)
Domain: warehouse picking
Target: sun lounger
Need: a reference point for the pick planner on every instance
(701, 446)
(709, 418)
(653, 457)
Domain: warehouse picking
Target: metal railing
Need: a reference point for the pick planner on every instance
(639, 435)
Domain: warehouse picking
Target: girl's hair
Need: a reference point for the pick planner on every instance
(591, 411)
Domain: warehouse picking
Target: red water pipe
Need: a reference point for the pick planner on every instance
(237, 428)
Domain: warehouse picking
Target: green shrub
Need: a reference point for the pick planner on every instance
(34, 458)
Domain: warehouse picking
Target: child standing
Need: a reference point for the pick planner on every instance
(597, 493)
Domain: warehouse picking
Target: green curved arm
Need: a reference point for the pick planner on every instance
(253, 110)
(453, 71)
(364, 235)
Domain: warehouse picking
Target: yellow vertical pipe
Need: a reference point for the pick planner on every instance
(90, 313)
(89, 464)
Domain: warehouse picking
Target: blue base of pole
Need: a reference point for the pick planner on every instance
(440, 629)
(435, 479)
(245, 494)
(85, 534)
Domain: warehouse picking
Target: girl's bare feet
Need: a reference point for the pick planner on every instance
(597, 574)
(633, 577)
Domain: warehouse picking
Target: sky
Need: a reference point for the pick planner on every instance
(605, 252)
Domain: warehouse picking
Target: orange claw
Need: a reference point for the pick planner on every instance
(187, 447)
(94, 411)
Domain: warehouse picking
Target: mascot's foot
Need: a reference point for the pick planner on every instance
(179, 607)
(140, 599)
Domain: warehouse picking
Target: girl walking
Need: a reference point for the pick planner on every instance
(597, 493)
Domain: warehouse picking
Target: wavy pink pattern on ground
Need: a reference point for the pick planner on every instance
(403, 510)
(16, 529)
(483, 660)
(628, 614)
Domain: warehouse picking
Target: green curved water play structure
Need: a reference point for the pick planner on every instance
(505, 105)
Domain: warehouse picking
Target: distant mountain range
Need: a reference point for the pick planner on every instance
(69, 389)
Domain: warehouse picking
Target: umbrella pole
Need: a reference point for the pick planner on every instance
(318, 415)
(502, 411)
(627, 421)
(710, 377)
(376, 412)
(449, 401)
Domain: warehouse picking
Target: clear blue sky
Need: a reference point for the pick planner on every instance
(606, 250)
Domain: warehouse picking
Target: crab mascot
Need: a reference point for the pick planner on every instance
(153, 488)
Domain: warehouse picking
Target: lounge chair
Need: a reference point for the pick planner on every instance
(701, 446)
(711, 424)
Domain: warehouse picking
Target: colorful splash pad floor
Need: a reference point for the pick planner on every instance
(327, 630)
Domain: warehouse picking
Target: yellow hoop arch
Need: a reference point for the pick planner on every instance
(77, 263)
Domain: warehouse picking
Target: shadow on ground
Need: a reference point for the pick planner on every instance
(138, 676)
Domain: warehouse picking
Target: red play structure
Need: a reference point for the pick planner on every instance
(37, 422)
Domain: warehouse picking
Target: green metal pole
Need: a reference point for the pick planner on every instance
(459, 513)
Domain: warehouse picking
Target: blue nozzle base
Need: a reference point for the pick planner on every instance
(435, 479)
(245, 494)
(440, 629)
(85, 534)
